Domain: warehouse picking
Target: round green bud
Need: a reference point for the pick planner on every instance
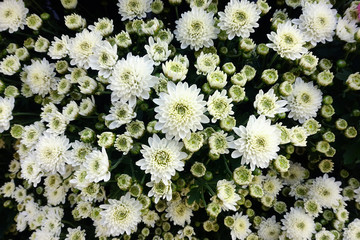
(213, 209)
(250, 212)
(239, 79)
(229, 221)
(45, 16)
(354, 183)
(325, 64)
(106, 139)
(281, 164)
(341, 63)
(341, 124)
(229, 68)
(308, 62)
(268, 200)
(123, 143)
(208, 226)
(157, 6)
(242, 175)
(11, 91)
(166, 226)
(61, 66)
(223, 50)
(16, 131)
(312, 207)
(326, 166)
(322, 146)
(228, 123)
(194, 143)
(331, 152)
(135, 129)
(150, 128)
(217, 79)
(328, 215)
(327, 111)
(256, 191)
(350, 132)
(269, 76)
(198, 169)
(285, 88)
(87, 135)
(237, 93)
(262, 49)
(249, 72)
(124, 182)
(348, 192)
(356, 113)
(247, 45)
(328, 136)
(289, 77)
(206, 88)
(325, 78)
(208, 176)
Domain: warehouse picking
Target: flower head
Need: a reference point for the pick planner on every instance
(6, 107)
(12, 15)
(298, 225)
(130, 9)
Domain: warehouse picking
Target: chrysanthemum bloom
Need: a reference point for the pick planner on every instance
(59, 47)
(288, 41)
(269, 229)
(6, 107)
(304, 101)
(132, 79)
(159, 190)
(346, 30)
(10, 65)
(97, 165)
(158, 51)
(226, 192)
(180, 111)
(30, 169)
(326, 191)
(239, 18)
(82, 46)
(121, 216)
(268, 104)
(258, 143)
(162, 158)
(352, 231)
(298, 225)
(40, 76)
(241, 227)
(130, 9)
(104, 58)
(179, 212)
(120, 114)
(75, 233)
(196, 29)
(317, 22)
(12, 15)
(219, 106)
(52, 152)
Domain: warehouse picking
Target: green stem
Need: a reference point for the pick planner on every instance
(202, 196)
(116, 164)
(227, 166)
(273, 59)
(68, 223)
(25, 114)
(210, 189)
(177, 12)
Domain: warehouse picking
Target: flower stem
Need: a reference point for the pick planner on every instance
(25, 114)
(273, 59)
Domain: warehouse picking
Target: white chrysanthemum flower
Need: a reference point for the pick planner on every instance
(78, 153)
(288, 41)
(59, 47)
(158, 51)
(120, 114)
(161, 189)
(241, 227)
(121, 216)
(304, 101)
(206, 63)
(352, 232)
(239, 18)
(57, 123)
(104, 26)
(12, 15)
(79, 179)
(326, 191)
(298, 225)
(104, 58)
(164, 35)
(175, 70)
(51, 152)
(317, 22)
(97, 165)
(268, 104)
(70, 111)
(87, 106)
(55, 196)
(8, 189)
(40, 76)
(30, 169)
(196, 29)
(346, 30)
(150, 217)
(31, 134)
(82, 46)
(6, 108)
(294, 175)
(219, 142)
(47, 110)
(10, 65)
(226, 192)
(272, 185)
(269, 229)
(180, 111)
(162, 158)
(258, 143)
(130, 9)
(179, 212)
(219, 106)
(132, 79)
(324, 234)
(75, 234)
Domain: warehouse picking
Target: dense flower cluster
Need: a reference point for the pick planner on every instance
(196, 119)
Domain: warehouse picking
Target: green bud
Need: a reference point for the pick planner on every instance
(236, 93)
(262, 49)
(11, 91)
(229, 221)
(87, 135)
(327, 111)
(325, 64)
(350, 132)
(242, 175)
(239, 79)
(249, 72)
(16, 131)
(285, 88)
(45, 16)
(326, 166)
(341, 124)
(269, 76)
(247, 45)
(229, 68)
(198, 169)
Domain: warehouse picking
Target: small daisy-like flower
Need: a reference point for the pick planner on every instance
(317, 22)
(288, 41)
(162, 158)
(12, 15)
(130, 9)
(304, 101)
(226, 192)
(120, 114)
(272, 185)
(258, 143)
(8, 189)
(97, 165)
(52, 152)
(175, 70)
(346, 30)
(241, 227)
(132, 79)
(75, 234)
(160, 190)
(82, 47)
(269, 229)
(239, 18)
(180, 111)
(352, 232)
(78, 153)
(219, 106)
(219, 142)
(268, 104)
(158, 51)
(40, 76)
(196, 29)
(104, 58)
(179, 213)
(10, 65)
(121, 216)
(206, 63)
(298, 225)
(6, 107)
(59, 47)
(326, 191)
(104, 26)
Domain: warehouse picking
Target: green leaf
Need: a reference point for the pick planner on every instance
(194, 195)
